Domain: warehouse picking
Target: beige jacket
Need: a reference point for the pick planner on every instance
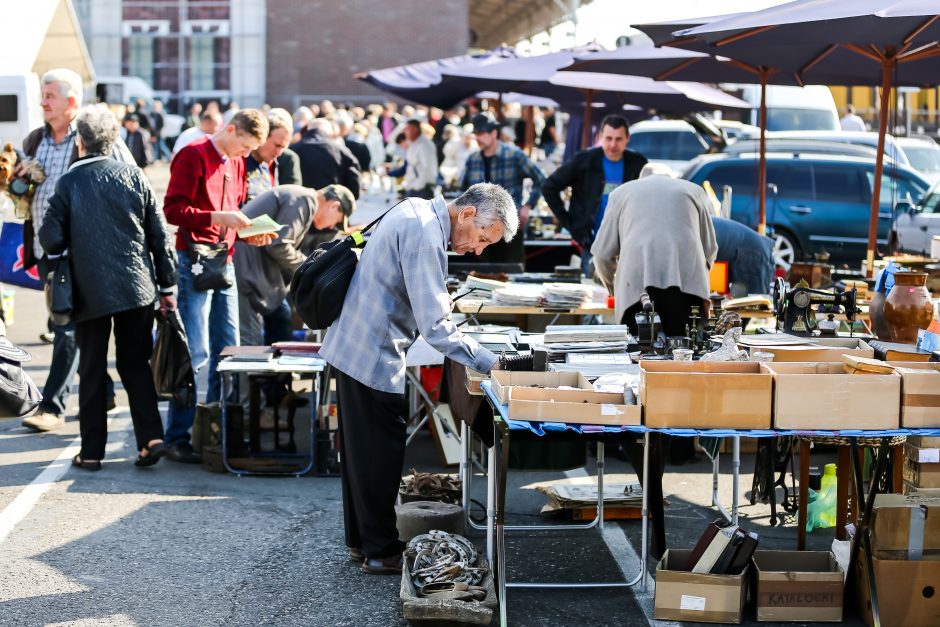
(656, 232)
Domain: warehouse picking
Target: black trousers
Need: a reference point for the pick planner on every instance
(673, 306)
(372, 451)
(133, 343)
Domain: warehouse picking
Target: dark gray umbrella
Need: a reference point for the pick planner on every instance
(838, 42)
(421, 82)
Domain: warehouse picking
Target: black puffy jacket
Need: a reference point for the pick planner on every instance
(104, 213)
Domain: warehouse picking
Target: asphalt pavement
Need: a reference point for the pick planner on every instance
(174, 545)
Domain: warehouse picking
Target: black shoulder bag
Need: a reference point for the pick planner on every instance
(318, 287)
(209, 268)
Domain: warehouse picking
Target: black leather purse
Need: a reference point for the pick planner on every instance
(60, 290)
(209, 268)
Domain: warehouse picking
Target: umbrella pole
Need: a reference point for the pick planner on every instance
(586, 130)
(762, 165)
(886, 67)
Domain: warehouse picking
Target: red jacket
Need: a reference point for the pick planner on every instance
(197, 174)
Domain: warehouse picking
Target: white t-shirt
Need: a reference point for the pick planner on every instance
(187, 137)
(852, 122)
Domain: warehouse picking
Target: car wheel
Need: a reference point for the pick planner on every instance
(786, 250)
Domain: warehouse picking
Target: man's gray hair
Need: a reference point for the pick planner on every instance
(70, 83)
(98, 129)
(493, 204)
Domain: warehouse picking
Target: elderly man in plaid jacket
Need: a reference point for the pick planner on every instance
(507, 166)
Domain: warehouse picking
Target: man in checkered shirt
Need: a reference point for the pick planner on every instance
(53, 146)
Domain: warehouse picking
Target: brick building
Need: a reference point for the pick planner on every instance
(256, 51)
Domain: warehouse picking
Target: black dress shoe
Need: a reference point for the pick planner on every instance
(184, 453)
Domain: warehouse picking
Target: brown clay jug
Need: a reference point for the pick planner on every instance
(908, 308)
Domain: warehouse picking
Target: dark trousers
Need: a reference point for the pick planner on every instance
(64, 364)
(673, 306)
(372, 449)
(133, 343)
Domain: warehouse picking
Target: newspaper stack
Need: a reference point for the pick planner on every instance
(567, 295)
(565, 495)
(593, 338)
(516, 295)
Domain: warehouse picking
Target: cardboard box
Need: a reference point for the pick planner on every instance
(825, 350)
(907, 591)
(922, 455)
(681, 595)
(821, 396)
(583, 406)
(798, 586)
(920, 394)
(505, 380)
(705, 394)
(922, 475)
(891, 524)
(910, 488)
(924, 441)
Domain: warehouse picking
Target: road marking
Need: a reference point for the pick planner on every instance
(628, 561)
(25, 501)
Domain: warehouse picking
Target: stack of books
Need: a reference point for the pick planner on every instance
(723, 549)
(296, 349)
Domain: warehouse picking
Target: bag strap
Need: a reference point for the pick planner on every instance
(224, 231)
(358, 238)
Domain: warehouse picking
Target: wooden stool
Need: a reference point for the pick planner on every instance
(844, 475)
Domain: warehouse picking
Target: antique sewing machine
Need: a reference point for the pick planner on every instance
(650, 335)
(793, 306)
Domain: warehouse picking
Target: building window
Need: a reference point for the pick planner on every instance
(140, 61)
(202, 63)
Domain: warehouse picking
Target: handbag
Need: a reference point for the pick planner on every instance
(60, 290)
(318, 287)
(209, 268)
(14, 270)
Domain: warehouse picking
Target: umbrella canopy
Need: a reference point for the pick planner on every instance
(662, 32)
(420, 82)
(831, 40)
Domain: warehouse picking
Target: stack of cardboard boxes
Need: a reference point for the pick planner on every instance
(922, 465)
(905, 542)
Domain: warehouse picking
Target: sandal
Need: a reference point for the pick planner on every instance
(154, 453)
(86, 464)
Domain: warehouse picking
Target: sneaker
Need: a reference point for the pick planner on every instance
(48, 337)
(382, 565)
(184, 453)
(43, 421)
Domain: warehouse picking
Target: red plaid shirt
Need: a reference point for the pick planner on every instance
(197, 174)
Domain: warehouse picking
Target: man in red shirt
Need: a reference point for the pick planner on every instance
(207, 187)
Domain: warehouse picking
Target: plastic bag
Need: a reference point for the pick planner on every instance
(820, 513)
(18, 394)
(172, 367)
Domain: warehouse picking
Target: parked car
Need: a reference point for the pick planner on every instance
(793, 108)
(857, 138)
(672, 142)
(917, 224)
(923, 154)
(815, 203)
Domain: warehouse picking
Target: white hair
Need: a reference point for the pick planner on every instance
(98, 129)
(279, 118)
(656, 168)
(70, 83)
(493, 204)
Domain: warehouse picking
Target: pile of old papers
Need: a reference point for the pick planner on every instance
(594, 338)
(518, 295)
(486, 285)
(567, 295)
(580, 494)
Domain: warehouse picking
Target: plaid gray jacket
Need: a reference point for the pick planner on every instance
(398, 291)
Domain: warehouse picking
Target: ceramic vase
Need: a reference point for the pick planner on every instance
(907, 308)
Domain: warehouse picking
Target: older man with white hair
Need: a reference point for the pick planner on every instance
(398, 292)
(53, 145)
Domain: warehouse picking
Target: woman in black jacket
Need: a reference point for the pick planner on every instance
(104, 217)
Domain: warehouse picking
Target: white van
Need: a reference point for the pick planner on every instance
(119, 90)
(20, 107)
(809, 108)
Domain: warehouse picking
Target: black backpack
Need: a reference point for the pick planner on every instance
(318, 287)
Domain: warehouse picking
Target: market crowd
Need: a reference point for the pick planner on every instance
(97, 212)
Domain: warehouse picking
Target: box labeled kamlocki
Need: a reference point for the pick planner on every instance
(803, 586)
(704, 598)
(821, 396)
(705, 394)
